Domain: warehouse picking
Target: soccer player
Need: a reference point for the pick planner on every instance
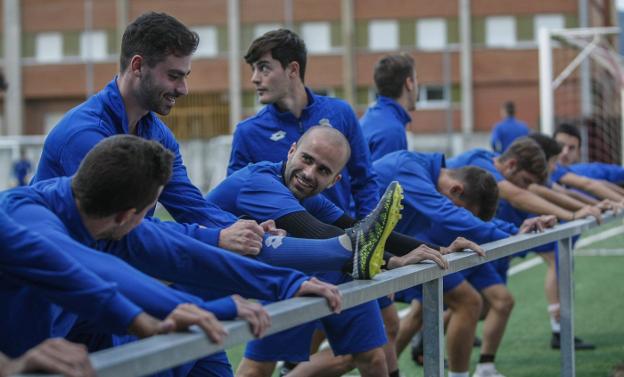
(441, 204)
(22, 169)
(570, 138)
(383, 124)
(522, 164)
(278, 61)
(507, 130)
(155, 63)
(103, 206)
(288, 192)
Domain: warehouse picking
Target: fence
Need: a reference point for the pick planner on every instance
(164, 351)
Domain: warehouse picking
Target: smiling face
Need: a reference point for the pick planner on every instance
(161, 85)
(271, 80)
(313, 166)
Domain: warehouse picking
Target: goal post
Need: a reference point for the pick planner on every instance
(562, 53)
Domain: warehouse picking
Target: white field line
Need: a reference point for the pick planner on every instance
(600, 236)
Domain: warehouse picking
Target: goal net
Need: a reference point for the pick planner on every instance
(581, 79)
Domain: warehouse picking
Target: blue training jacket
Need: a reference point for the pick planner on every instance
(505, 132)
(428, 214)
(33, 272)
(268, 135)
(104, 115)
(383, 126)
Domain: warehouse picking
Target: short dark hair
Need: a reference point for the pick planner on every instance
(549, 146)
(569, 129)
(390, 74)
(284, 45)
(529, 157)
(510, 108)
(480, 190)
(154, 36)
(121, 172)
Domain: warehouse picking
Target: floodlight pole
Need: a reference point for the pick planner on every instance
(234, 60)
(13, 102)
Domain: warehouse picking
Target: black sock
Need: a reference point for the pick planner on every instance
(394, 374)
(486, 358)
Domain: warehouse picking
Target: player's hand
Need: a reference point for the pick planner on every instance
(270, 227)
(537, 224)
(419, 254)
(52, 356)
(593, 211)
(315, 287)
(186, 315)
(610, 205)
(244, 237)
(145, 325)
(254, 313)
(461, 244)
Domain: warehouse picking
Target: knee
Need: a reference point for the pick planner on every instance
(250, 368)
(503, 302)
(370, 360)
(471, 304)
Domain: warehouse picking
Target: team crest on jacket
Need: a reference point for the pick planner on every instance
(279, 135)
(325, 122)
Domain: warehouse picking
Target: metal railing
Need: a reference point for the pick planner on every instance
(165, 351)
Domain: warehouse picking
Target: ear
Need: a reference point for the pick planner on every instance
(292, 150)
(293, 69)
(337, 178)
(457, 189)
(136, 63)
(409, 84)
(511, 164)
(123, 216)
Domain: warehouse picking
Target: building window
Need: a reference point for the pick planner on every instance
(317, 36)
(548, 21)
(432, 96)
(431, 34)
(93, 45)
(49, 47)
(260, 29)
(500, 31)
(208, 41)
(383, 35)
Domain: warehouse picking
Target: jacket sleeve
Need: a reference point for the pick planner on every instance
(363, 185)
(32, 260)
(154, 297)
(158, 252)
(184, 201)
(239, 156)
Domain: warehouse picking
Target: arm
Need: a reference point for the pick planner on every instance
(530, 202)
(239, 158)
(363, 186)
(614, 187)
(591, 186)
(583, 198)
(557, 198)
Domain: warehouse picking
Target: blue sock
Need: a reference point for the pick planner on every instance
(305, 255)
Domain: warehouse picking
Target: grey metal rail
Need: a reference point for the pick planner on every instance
(165, 351)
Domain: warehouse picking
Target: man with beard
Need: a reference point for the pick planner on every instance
(155, 63)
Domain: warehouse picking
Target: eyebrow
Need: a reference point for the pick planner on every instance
(179, 72)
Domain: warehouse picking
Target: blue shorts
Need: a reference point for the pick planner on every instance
(384, 302)
(501, 266)
(482, 276)
(449, 282)
(355, 330)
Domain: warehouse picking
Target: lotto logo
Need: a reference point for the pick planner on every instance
(273, 241)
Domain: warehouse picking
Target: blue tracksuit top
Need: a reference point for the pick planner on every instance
(505, 132)
(268, 135)
(33, 272)
(599, 170)
(383, 126)
(257, 191)
(159, 249)
(21, 169)
(104, 115)
(428, 214)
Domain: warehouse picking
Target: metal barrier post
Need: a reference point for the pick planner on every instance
(433, 328)
(566, 302)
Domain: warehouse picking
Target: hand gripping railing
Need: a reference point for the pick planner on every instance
(164, 351)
